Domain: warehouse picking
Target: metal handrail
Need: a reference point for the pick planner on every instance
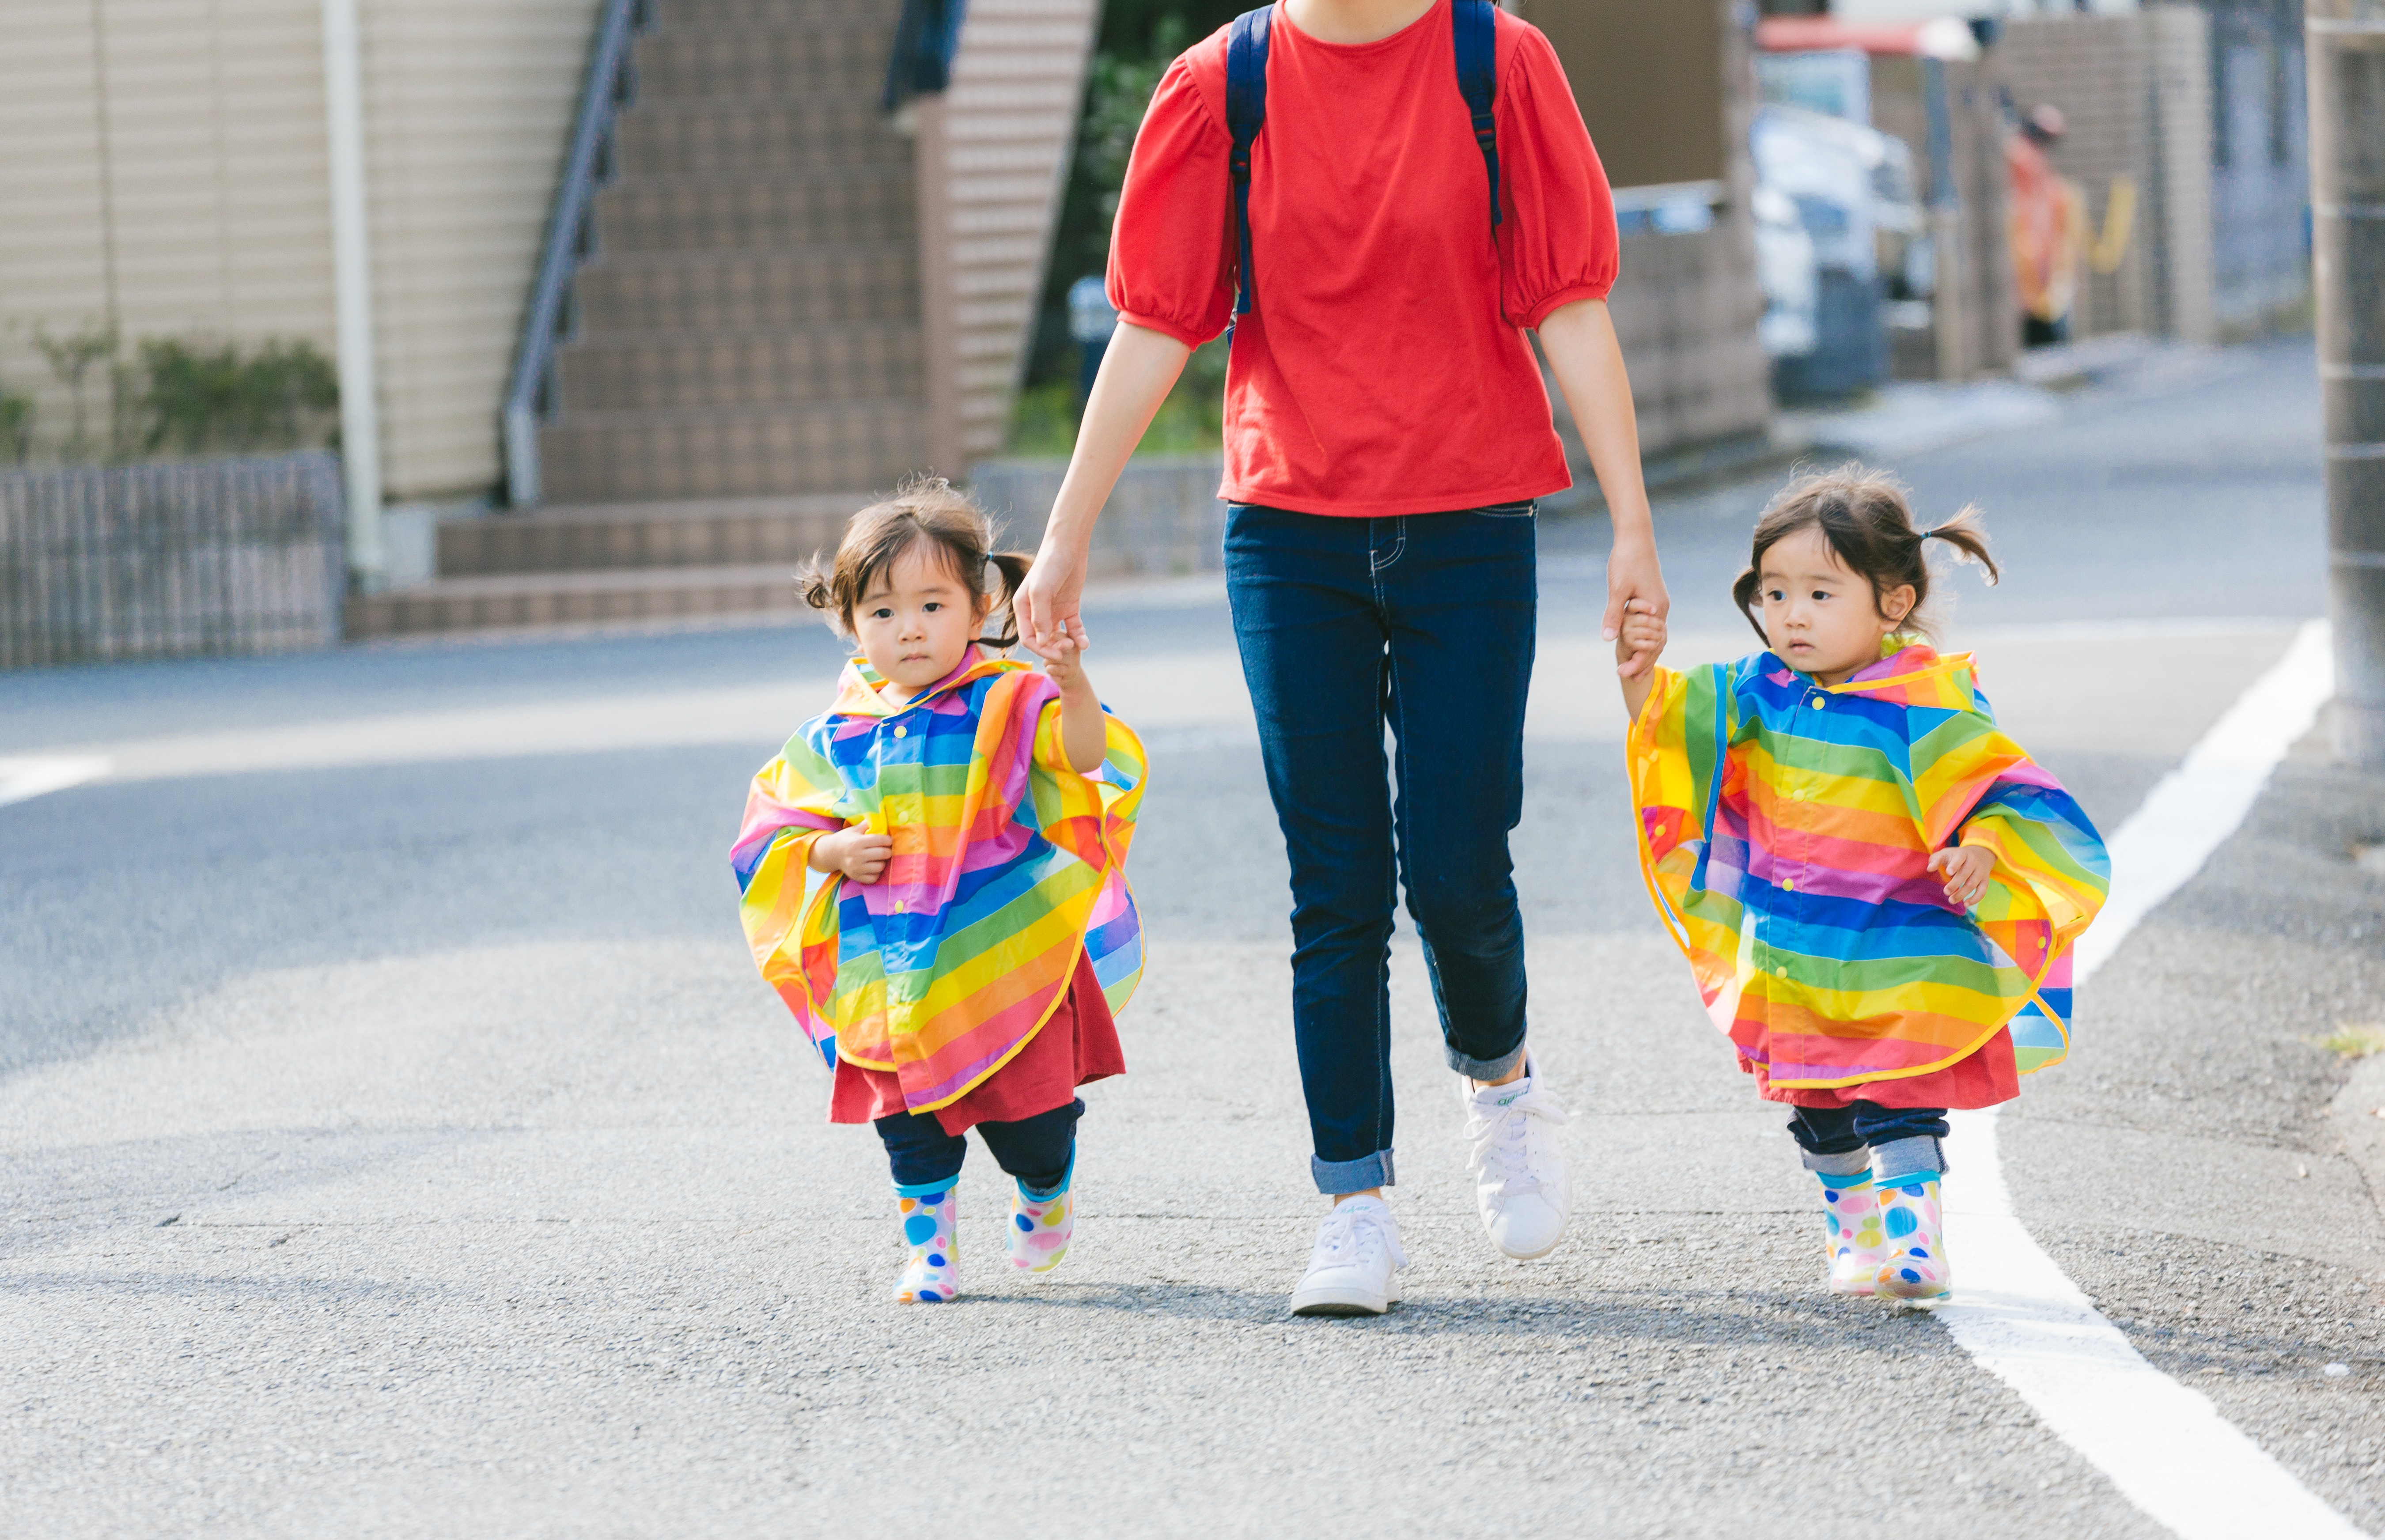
(610, 83)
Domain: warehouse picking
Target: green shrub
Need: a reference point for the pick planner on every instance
(199, 398)
(1043, 421)
(16, 427)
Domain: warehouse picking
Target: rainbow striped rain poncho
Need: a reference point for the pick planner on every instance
(1008, 866)
(1786, 829)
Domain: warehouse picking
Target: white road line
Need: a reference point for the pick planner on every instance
(2164, 1446)
(29, 777)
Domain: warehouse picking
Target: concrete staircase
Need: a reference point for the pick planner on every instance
(745, 364)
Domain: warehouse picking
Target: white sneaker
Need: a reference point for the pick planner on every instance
(1520, 1173)
(1354, 1268)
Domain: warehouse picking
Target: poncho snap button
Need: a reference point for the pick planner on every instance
(1821, 701)
(1788, 885)
(902, 732)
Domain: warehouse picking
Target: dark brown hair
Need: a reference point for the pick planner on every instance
(923, 508)
(1864, 515)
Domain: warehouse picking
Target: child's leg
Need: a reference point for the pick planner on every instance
(1837, 1155)
(926, 1163)
(1908, 1160)
(1040, 1154)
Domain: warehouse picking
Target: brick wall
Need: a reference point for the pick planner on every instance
(1686, 306)
(2136, 91)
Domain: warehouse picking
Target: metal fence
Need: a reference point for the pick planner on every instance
(210, 556)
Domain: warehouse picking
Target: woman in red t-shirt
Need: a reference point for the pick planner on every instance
(1386, 433)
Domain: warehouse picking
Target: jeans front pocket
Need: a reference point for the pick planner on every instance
(1525, 510)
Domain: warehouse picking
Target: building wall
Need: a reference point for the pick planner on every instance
(1011, 126)
(1685, 306)
(1645, 77)
(2260, 173)
(2136, 92)
(467, 108)
(167, 170)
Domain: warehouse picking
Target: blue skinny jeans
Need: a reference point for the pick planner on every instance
(1423, 623)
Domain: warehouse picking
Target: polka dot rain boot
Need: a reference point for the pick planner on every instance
(933, 1276)
(1854, 1239)
(1912, 1221)
(1040, 1227)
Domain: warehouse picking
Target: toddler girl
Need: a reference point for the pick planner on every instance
(1877, 890)
(959, 965)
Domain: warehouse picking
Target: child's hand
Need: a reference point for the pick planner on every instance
(1083, 732)
(1065, 663)
(1643, 631)
(1967, 868)
(1637, 643)
(855, 853)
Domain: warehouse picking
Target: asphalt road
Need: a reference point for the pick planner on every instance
(398, 1141)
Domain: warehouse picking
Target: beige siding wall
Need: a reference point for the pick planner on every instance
(468, 106)
(187, 135)
(1016, 85)
(161, 166)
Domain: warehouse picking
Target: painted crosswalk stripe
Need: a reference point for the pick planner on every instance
(30, 776)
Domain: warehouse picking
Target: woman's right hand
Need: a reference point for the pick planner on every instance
(855, 853)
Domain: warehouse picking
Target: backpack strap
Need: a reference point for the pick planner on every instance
(1246, 61)
(1476, 25)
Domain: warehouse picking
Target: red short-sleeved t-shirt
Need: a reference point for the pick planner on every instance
(1383, 368)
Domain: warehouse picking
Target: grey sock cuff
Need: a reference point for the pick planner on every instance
(1921, 1154)
(1854, 1162)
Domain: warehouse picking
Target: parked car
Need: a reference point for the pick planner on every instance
(1850, 190)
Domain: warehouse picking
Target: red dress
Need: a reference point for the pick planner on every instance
(1984, 1077)
(1077, 1042)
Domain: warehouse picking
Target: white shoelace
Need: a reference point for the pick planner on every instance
(1348, 1233)
(1500, 1137)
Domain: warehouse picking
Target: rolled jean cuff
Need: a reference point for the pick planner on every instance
(1484, 1069)
(1336, 1177)
(1854, 1162)
(1918, 1156)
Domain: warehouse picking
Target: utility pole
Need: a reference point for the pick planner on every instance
(2345, 41)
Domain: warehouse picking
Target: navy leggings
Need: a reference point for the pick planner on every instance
(1036, 1150)
(1843, 1130)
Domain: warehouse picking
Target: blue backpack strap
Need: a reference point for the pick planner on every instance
(1476, 25)
(1246, 60)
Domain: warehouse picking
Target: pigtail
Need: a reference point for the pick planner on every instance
(816, 585)
(1010, 568)
(1962, 532)
(1743, 593)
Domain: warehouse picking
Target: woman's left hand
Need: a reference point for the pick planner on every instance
(1634, 573)
(1967, 868)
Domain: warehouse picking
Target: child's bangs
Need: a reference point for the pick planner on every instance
(903, 537)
